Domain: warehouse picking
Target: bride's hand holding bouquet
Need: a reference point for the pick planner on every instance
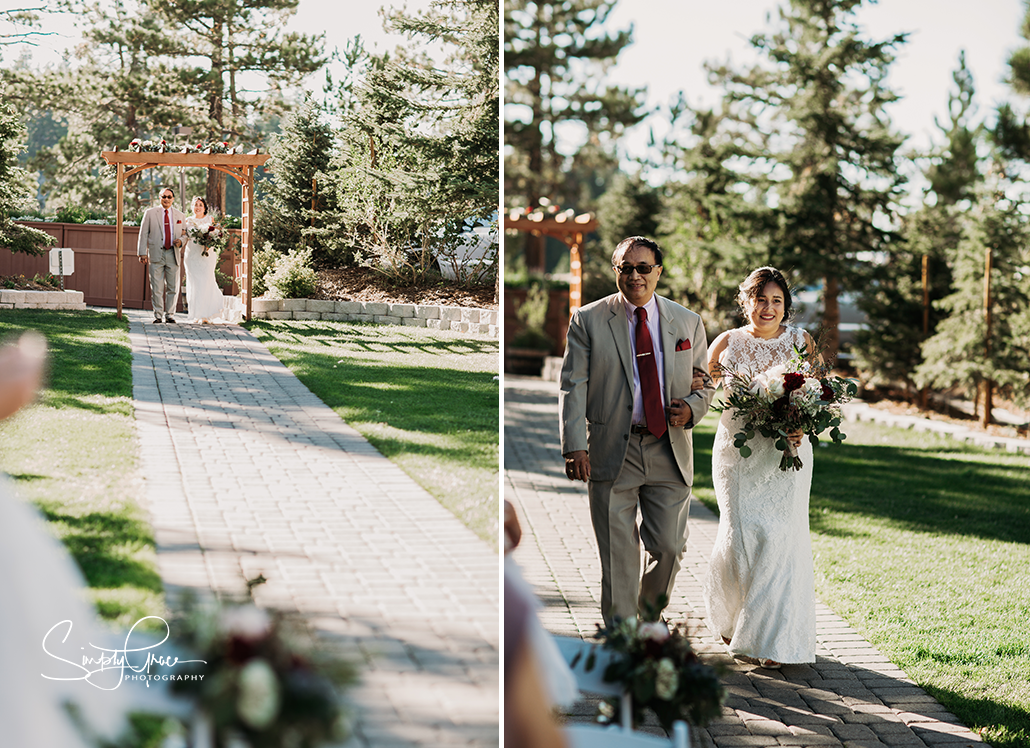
(785, 403)
(209, 236)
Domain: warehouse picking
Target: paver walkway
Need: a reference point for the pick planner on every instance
(852, 696)
(248, 473)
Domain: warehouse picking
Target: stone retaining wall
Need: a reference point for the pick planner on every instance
(859, 411)
(459, 319)
(11, 299)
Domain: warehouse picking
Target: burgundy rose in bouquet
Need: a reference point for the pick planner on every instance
(799, 395)
(657, 665)
(211, 236)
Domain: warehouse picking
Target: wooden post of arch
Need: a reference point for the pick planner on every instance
(566, 227)
(120, 240)
(240, 166)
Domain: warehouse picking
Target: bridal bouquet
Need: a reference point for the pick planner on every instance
(209, 237)
(658, 667)
(266, 683)
(796, 396)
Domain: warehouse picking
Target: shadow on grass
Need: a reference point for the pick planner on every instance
(923, 492)
(97, 541)
(89, 355)
(460, 404)
(951, 490)
(1004, 726)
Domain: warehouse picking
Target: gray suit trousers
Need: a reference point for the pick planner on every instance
(164, 282)
(650, 480)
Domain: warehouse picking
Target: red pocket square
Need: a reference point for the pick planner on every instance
(683, 345)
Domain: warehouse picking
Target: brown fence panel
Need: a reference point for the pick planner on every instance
(95, 249)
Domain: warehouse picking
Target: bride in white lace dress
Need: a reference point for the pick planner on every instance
(203, 296)
(759, 592)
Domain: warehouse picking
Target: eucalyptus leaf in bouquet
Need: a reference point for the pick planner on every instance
(266, 681)
(657, 665)
(799, 395)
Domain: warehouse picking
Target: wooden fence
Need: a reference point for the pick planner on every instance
(95, 271)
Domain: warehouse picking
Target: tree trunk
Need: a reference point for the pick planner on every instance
(831, 317)
(988, 401)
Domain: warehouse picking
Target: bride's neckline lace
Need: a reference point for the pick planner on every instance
(747, 354)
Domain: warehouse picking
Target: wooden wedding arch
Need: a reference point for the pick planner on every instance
(566, 227)
(237, 165)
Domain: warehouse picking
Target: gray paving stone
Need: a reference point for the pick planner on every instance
(247, 473)
(851, 696)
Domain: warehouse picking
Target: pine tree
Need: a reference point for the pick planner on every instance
(16, 189)
(967, 352)
(714, 223)
(893, 301)
(420, 141)
(298, 204)
(820, 96)
(115, 91)
(235, 38)
(556, 55)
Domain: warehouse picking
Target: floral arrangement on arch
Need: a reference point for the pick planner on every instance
(266, 684)
(212, 236)
(658, 667)
(799, 395)
(162, 146)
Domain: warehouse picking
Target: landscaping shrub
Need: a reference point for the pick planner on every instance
(292, 277)
(263, 262)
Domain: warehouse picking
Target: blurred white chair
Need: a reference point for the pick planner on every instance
(595, 736)
(576, 652)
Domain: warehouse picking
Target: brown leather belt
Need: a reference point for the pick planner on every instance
(637, 428)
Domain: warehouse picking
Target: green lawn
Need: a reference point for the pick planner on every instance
(73, 454)
(426, 399)
(923, 545)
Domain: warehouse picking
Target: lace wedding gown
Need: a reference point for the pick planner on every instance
(759, 592)
(203, 296)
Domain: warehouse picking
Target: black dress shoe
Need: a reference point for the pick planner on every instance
(171, 320)
(158, 321)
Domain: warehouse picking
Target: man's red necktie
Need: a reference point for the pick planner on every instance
(647, 367)
(168, 231)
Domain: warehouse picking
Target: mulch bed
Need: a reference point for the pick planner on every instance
(365, 284)
(21, 283)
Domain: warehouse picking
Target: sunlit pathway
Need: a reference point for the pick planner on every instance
(248, 473)
(853, 696)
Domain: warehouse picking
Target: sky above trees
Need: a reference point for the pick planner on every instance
(674, 38)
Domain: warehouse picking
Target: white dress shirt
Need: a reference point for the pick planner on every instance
(656, 341)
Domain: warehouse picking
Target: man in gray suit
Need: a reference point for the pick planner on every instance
(633, 383)
(160, 237)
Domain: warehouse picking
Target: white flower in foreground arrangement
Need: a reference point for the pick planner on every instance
(258, 702)
(246, 622)
(655, 631)
(667, 680)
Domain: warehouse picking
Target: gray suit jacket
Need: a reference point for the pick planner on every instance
(152, 231)
(596, 397)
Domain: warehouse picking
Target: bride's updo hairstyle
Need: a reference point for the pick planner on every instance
(202, 201)
(754, 283)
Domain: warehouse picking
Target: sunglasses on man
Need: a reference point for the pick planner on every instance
(641, 269)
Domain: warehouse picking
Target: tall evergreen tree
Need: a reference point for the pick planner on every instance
(298, 206)
(16, 189)
(821, 94)
(555, 56)
(894, 305)
(146, 67)
(714, 221)
(977, 349)
(115, 90)
(420, 141)
(235, 38)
